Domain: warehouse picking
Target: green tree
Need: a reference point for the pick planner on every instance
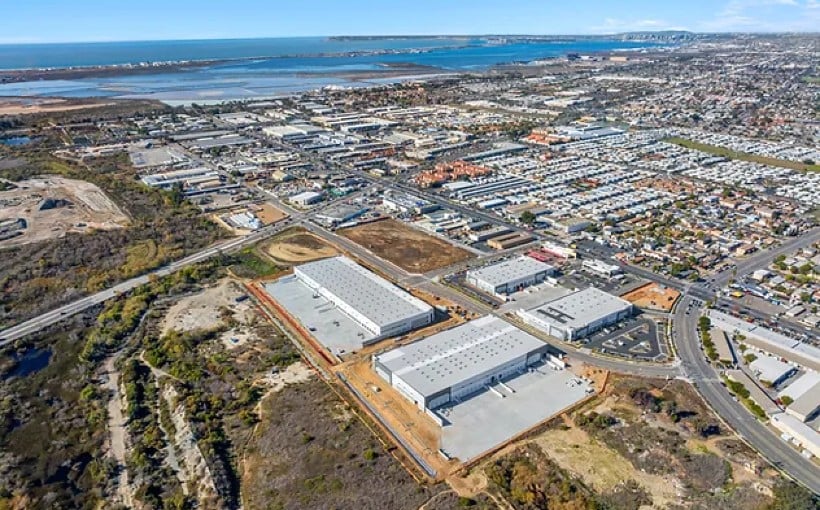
(527, 218)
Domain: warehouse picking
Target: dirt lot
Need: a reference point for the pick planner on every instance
(408, 248)
(78, 206)
(598, 465)
(25, 106)
(269, 214)
(215, 307)
(296, 247)
(653, 297)
(312, 452)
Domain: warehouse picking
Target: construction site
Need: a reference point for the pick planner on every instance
(50, 207)
(489, 372)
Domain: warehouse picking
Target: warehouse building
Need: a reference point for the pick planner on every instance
(371, 301)
(457, 363)
(578, 314)
(797, 432)
(509, 276)
(770, 370)
(306, 198)
(804, 393)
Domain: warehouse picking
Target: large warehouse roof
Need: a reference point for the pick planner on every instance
(448, 358)
(510, 270)
(579, 309)
(370, 295)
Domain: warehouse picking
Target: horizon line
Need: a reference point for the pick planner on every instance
(388, 36)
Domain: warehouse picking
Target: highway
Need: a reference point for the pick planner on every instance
(47, 319)
(706, 381)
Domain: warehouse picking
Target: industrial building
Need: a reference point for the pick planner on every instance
(508, 241)
(578, 314)
(797, 432)
(601, 268)
(509, 276)
(371, 301)
(766, 340)
(306, 198)
(804, 393)
(457, 363)
(771, 370)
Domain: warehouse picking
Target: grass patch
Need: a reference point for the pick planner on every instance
(742, 156)
(249, 264)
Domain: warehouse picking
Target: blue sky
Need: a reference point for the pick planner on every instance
(25, 21)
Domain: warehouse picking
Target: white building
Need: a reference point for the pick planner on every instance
(601, 268)
(771, 370)
(306, 198)
(578, 314)
(457, 363)
(509, 276)
(805, 395)
(797, 432)
(369, 300)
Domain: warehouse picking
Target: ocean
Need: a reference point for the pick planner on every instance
(259, 68)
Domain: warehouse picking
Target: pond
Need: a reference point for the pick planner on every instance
(29, 362)
(15, 141)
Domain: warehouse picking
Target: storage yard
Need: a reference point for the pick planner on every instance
(410, 249)
(50, 207)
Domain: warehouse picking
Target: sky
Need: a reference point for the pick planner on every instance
(40, 21)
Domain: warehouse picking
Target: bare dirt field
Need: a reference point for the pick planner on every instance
(75, 206)
(215, 307)
(25, 106)
(408, 248)
(296, 247)
(269, 214)
(598, 465)
(653, 297)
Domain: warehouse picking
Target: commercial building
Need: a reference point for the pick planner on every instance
(771, 370)
(804, 393)
(306, 198)
(578, 314)
(371, 301)
(797, 432)
(457, 363)
(509, 241)
(509, 276)
(601, 268)
(767, 340)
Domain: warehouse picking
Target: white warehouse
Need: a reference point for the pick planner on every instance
(377, 305)
(578, 314)
(454, 364)
(509, 276)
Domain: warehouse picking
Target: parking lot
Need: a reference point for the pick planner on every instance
(581, 279)
(639, 338)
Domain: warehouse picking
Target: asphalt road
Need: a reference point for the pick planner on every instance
(47, 319)
(707, 382)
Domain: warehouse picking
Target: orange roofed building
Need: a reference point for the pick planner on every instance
(448, 172)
